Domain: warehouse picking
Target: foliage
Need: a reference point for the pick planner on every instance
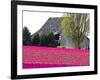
(36, 40)
(43, 39)
(48, 40)
(39, 40)
(75, 25)
(60, 46)
(26, 36)
(52, 41)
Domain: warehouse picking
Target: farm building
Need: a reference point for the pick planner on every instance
(53, 25)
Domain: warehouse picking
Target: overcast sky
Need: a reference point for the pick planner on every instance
(35, 20)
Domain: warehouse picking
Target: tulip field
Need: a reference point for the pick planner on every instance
(45, 57)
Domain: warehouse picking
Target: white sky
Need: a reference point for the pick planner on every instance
(35, 20)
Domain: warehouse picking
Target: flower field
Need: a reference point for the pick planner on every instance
(44, 57)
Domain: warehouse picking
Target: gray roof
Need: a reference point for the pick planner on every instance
(51, 25)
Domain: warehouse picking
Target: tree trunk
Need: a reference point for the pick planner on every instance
(77, 44)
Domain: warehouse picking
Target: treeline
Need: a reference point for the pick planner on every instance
(47, 39)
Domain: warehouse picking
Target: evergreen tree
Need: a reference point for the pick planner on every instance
(36, 40)
(48, 40)
(26, 36)
(43, 39)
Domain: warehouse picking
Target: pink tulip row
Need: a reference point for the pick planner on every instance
(38, 57)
